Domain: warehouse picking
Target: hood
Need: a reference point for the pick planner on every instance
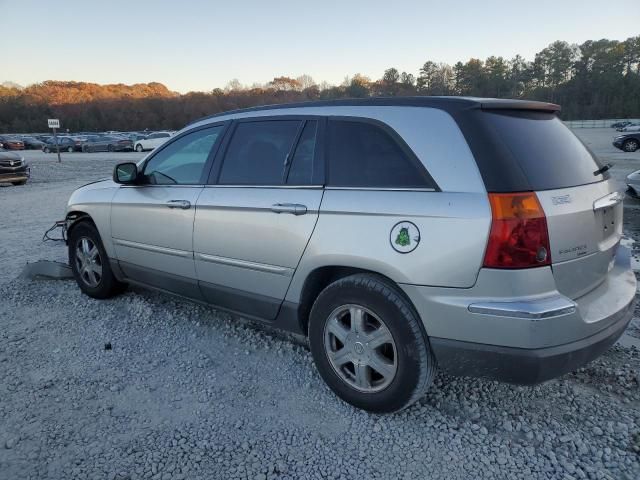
(106, 179)
(4, 155)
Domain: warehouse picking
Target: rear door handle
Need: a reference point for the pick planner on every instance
(293, 208)
(183, 204)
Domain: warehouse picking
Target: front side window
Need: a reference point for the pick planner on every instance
(258, 152)
(182, 162)
(363, 154)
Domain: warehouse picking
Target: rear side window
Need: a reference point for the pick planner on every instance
(258, 152)
(542, 148)
(364, 154)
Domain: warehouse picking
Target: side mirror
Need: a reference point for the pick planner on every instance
(125, 173)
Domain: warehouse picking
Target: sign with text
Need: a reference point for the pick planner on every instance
(53, 123)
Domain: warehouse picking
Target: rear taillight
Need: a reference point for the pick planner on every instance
(519, 237)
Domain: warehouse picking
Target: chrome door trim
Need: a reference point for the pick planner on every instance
(234, 262)
(384, 189)
(152, 248)
(288, 187)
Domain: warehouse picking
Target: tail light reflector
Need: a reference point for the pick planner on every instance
(519, 237)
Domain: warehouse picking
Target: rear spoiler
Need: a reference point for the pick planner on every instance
(505, 104)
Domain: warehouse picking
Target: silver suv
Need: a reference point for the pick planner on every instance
(479, 236)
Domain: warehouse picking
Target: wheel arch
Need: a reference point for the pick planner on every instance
(75, 217)
(321, 277)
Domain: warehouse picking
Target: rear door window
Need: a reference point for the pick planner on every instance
(304, 159)
(258, 152)
(545, 151)
(365, 154)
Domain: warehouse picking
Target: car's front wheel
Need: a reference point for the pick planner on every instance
(139, 148)
(21, 182)
(630, 145)
(70, 149)
(47, 150)
(368, 344)
(90, 264)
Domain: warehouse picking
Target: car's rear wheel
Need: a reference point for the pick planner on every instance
(368, 344)
(630, 145)
(90, 263)
(47, 150)
(21, 182)
(110, 148)
(138, 148)
(70, 149)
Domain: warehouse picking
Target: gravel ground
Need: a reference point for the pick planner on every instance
(149, 386)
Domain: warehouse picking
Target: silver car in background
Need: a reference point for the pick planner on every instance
(401, 235)
(633, 184)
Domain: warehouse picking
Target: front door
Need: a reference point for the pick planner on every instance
(152, 223)
(253, 225)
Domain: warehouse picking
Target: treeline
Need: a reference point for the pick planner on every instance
(598, 79)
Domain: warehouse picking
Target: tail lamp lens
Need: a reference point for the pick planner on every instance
(519, 237)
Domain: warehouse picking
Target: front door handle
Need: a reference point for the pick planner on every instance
(183, 204)
(293, 208)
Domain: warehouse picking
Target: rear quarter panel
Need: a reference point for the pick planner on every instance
(354, 230)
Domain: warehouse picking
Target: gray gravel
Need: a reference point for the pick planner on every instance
(149, 386)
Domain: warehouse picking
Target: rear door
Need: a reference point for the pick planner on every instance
(581, 204)
(255, 219)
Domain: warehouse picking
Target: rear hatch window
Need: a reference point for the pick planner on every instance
(524, 150)
(535, 151)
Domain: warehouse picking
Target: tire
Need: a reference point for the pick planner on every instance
(630, 145)
(139, 148)
(47, 150)
(110, 148)
(383, 306)
(104, 285)
(70, 149)
(21, 182)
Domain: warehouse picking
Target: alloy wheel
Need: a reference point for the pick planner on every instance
(88, 262)
(360, 348)
(630, 146)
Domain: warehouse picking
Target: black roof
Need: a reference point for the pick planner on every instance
(442, 103)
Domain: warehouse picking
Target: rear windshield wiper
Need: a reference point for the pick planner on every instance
(602, 169)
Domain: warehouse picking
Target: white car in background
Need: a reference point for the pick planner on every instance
(154, 140)
(634, 127)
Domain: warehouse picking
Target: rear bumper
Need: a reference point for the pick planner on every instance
(516, 326)
(526, 366)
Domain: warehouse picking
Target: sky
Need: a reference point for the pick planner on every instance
(198, 45)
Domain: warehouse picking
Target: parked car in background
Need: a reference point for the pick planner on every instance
(633, 184)
(12, 143)
(620, 124)
(13, 168)
(631, 127)
(152, 141)
(629, 142)
(32, 143)
(398, 250)
(65, 143)
(106, 144)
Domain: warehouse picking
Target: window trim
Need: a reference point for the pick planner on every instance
(430, 184)
(206, 169)
(319, 167)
